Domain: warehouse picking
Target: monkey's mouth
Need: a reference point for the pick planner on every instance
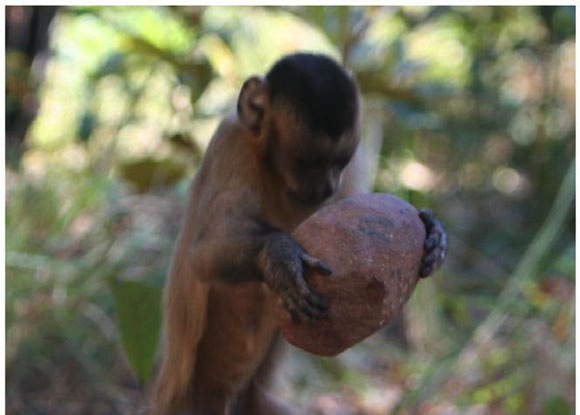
(307, 198)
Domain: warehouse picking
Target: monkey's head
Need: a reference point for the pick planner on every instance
(304, 116)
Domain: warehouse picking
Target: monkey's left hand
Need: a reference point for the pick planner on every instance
(435, 243)
(284, 262)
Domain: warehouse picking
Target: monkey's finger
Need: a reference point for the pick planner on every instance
(433, 226)
(316, 264)
(426, 270)
(299, 309)
(426, 216)
(310, 310)
(313, 305)
(290, 309)
(437, 242)
(305, 292)
(301, 303)
(436, 239)
(304, 301)
(432, 261)
(432, 240)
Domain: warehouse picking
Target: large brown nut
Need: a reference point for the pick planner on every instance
(373, 243)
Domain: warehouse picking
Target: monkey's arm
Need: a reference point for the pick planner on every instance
(240, 249)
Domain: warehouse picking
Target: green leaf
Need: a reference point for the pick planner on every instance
(557, 405)
(138, 308)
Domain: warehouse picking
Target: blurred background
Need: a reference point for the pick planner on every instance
(467, 110)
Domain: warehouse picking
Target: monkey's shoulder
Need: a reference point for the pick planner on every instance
(231, 146)
(227, 178)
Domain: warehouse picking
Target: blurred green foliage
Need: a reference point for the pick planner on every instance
(474, 109)
(139, 321)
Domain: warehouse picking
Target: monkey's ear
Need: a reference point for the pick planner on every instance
(252, 102)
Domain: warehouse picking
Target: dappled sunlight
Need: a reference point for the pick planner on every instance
(440, 50)
(417, 176)
(468, 111)
(509, 181)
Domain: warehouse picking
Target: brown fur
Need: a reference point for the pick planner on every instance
(234, 259)
(217, 335)
(265, 171)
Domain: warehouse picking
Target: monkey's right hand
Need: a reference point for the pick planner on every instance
(284, 262)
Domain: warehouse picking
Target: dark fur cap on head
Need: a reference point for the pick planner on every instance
(317, 89)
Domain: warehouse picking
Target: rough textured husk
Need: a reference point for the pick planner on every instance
(374, 245)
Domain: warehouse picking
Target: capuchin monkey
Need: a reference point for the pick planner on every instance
(267, 168)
